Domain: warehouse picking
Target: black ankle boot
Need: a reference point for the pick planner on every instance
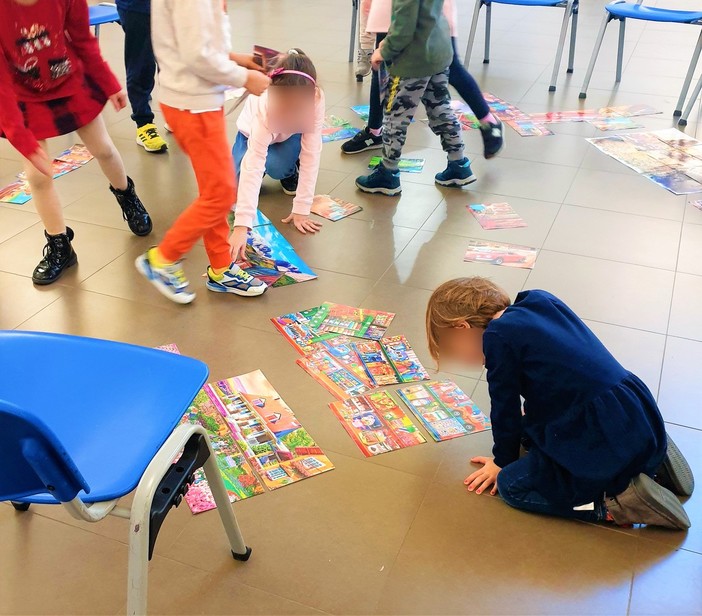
(58, 257)
(133, 209)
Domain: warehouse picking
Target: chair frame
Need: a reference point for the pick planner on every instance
(355, 9)
(571, 14)
(620, 56)
(139, 513)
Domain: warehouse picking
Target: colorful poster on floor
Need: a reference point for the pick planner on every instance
(444, 409)
(404, 359)
(362, 111)
(333, 209)
(495, 253)
(668, 157)
(614, 123)
(336, 378)
(356, 322)
(511, 115)
(276, 253)
(336, 129)
(266, 430)
(405, 165)
(377, 366)
(236, 472)
(496, 216)
(297, 330)
(16, 193)
(377, 424)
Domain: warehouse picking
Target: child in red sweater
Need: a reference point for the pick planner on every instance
(53, 82)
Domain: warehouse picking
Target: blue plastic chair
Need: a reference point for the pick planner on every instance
(84, 422)
(104, 13)
(571, 14)
(620, 11)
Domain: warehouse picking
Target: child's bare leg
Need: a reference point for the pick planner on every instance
(45, 197)
(95, 138)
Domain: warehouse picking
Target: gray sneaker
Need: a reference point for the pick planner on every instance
(646, 502)
(675, 473)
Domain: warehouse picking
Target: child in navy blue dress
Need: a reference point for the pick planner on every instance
(597, 445)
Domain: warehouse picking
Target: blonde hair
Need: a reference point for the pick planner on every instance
(474, 300)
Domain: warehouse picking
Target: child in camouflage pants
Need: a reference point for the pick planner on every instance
(417, 52)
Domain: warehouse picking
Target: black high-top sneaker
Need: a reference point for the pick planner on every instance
(58, 257)
(133, 209)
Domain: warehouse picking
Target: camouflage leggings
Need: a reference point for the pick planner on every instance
(402, 97)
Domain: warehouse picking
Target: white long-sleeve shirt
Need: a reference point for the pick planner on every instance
(254, 123)
(192, 41)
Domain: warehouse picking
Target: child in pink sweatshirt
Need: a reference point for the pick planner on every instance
(280, 135)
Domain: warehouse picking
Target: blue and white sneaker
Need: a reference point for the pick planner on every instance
(170, 280)
(381, 181)
(236, 280)
(457, 173)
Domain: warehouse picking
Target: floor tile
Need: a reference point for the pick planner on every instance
(23, 299)
(679, 402)
(684, 314)
(690, 257)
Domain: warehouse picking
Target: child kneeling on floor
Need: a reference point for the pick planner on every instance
(280, 134)
(596, 441)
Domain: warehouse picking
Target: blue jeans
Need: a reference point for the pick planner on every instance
(140, 64)
(518, 487)
(281, 161)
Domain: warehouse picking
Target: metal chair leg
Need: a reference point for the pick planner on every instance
(688, 78)
(691, 103)
(573, 35)
(97, 32)
(473, 30)
(561, 44)
(595, 53)
(488, 23)
(620, 50)
(354, 19)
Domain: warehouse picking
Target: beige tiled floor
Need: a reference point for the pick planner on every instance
(397, 533)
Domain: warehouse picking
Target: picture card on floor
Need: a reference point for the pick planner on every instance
(509, 255)
(335, 129)
(377, 424)
(342, 350)
(77, 154)
(260, 267)
(578, 115)
(406, 165)
(16, 193)
(496, 216)
(377, 366)
(614, 123)
(356, 322)
(269, 243)
(336, 378)
(404, 359)
(362, 111)
(333, 209)
(296, 329)
(266, 430)
(444, 409)
(528, 128)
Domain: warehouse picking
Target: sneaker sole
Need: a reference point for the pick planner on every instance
(290, 193)
(163, 148)
(43, 283)
(366, 149)
(662, 502)
(143, 269)
(501, 150)
(142, 233)
(388, 192)
(252, 292)
(675, 473)
(456, 183)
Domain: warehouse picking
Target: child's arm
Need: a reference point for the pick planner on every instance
(86, 47)
(310, 155)
(505, 403)
(193, 23)
(405, 14)
(11, 119)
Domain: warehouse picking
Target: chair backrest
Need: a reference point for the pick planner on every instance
(32, 460)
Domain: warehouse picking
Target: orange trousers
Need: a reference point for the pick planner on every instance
(203, 137)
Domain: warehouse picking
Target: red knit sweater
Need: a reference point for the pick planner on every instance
(45, 49)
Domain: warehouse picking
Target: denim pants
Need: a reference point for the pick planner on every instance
(281, 160)
(140, 64)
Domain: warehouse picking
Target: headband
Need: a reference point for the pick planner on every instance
(284, 71)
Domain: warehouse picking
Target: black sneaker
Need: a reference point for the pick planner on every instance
(289, 184)
(133, 209)
(493, 138)
(362, 142)
(58, 257)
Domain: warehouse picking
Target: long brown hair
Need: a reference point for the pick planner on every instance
(294, 60)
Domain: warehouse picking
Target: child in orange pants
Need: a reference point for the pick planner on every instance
(191, 43)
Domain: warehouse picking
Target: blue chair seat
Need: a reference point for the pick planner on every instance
(527, 2)
(110, 405)
(101, 14)
(652, 13)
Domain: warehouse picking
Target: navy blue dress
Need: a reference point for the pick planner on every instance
(593, 425)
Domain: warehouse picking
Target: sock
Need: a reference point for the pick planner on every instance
(156, 258)
(216, 274)
(376, 132)
(488, 119)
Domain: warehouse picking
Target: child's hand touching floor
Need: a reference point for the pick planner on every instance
(304, 224)
(484, 477)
